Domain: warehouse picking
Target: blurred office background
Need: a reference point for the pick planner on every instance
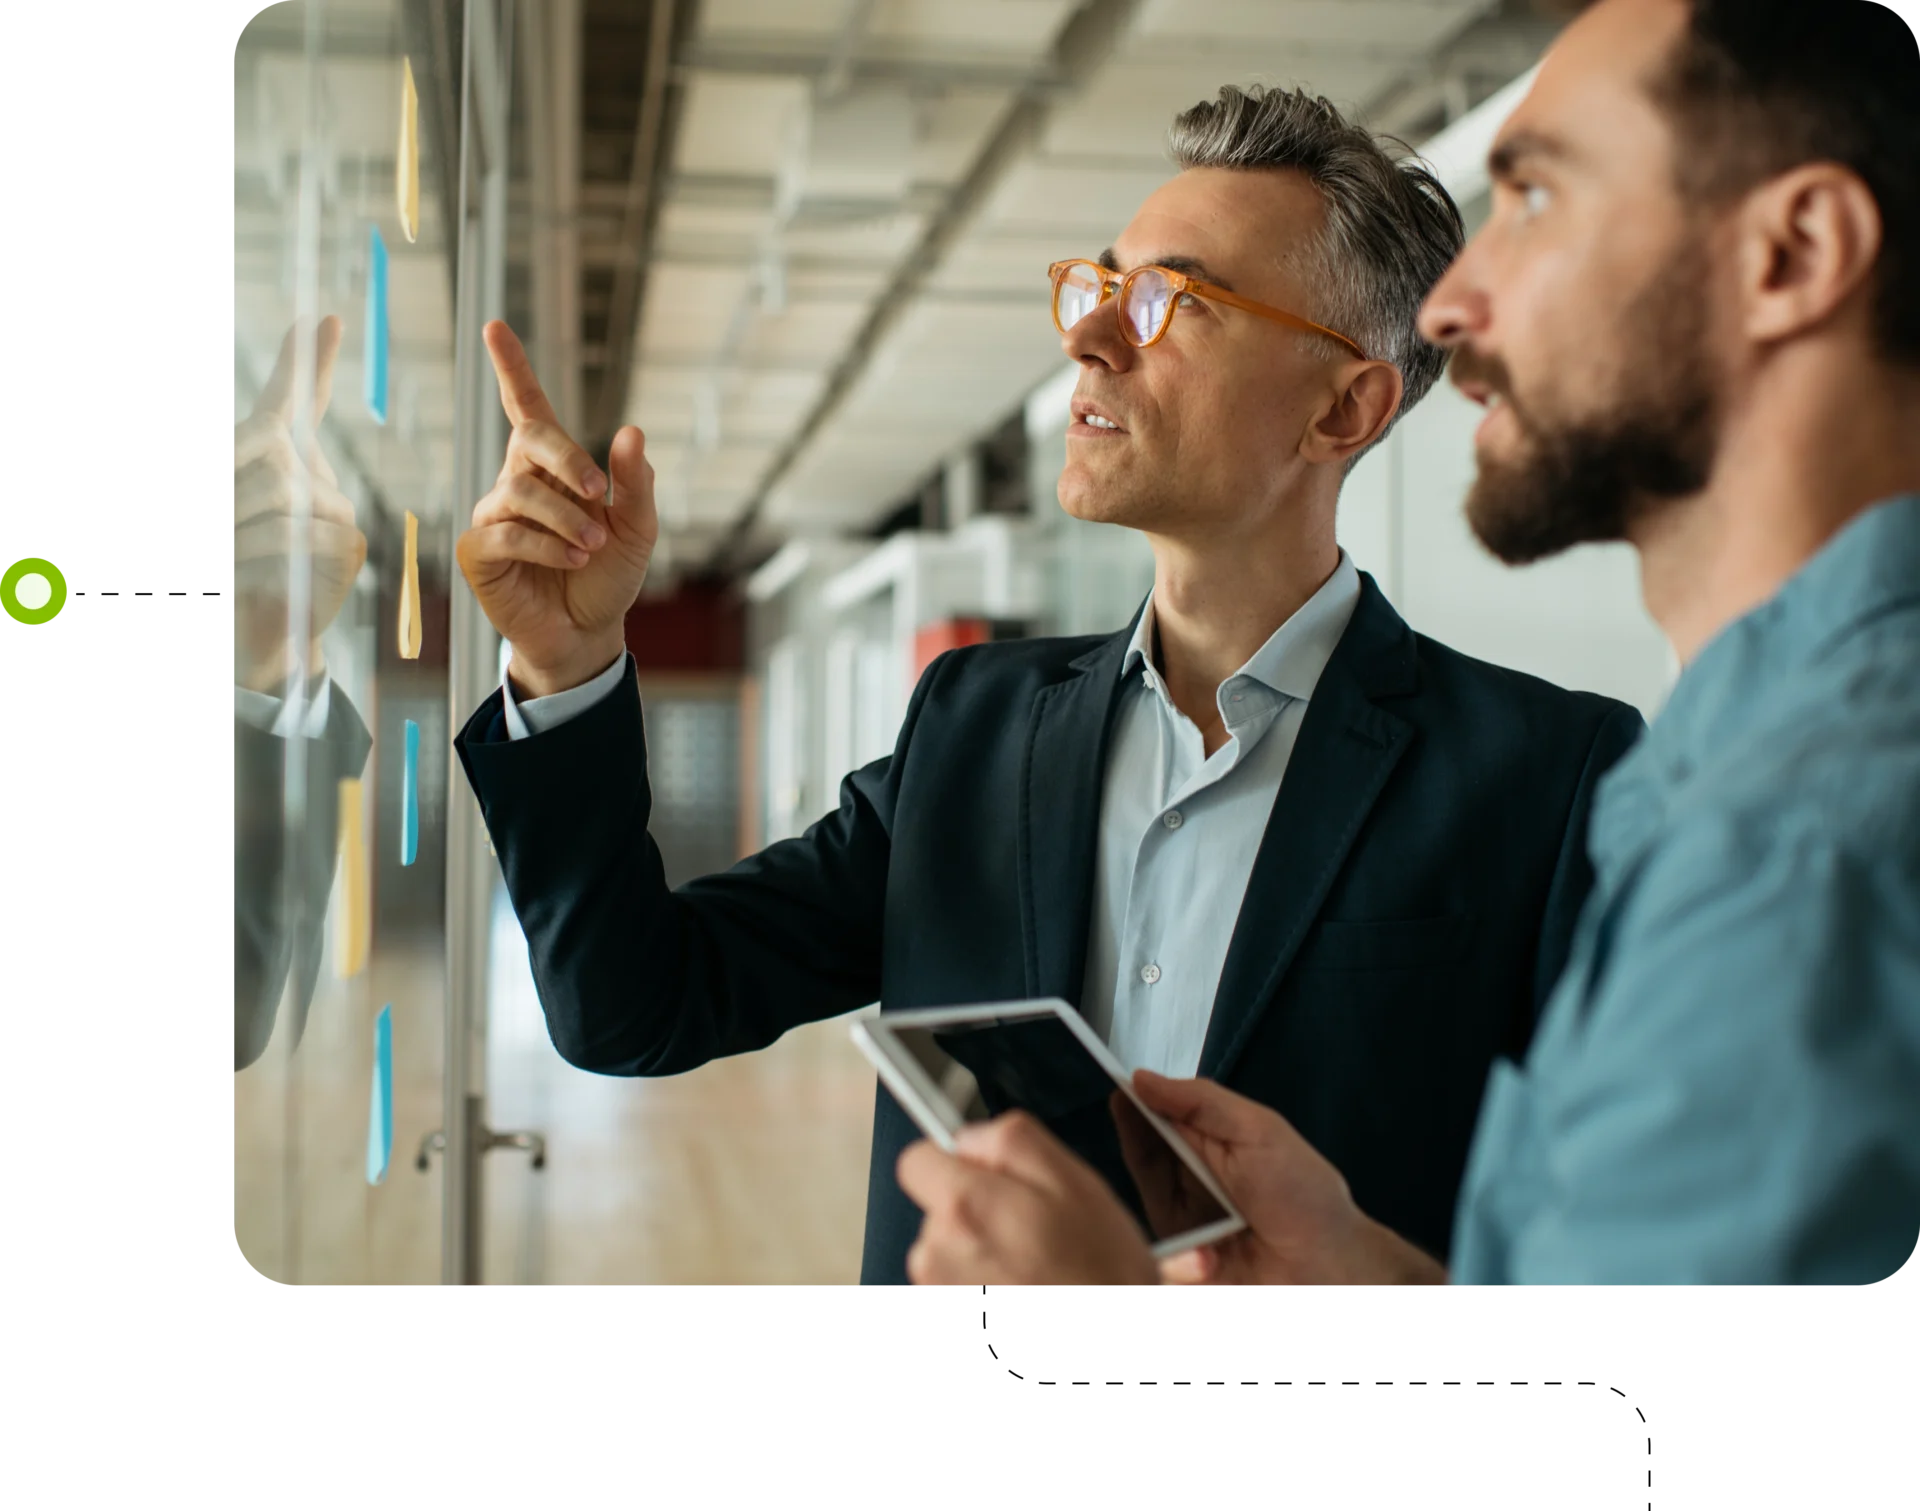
(803, 245)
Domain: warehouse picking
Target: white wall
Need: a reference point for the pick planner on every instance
(1576, 620)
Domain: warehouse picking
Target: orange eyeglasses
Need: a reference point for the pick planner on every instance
(1148, 297)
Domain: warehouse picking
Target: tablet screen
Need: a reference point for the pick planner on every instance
(1033, 1061)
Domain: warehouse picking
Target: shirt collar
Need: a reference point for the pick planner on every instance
(1736, 685)
(1294, 656)
(1871, 568)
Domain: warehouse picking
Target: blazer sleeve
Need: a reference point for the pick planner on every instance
(638, 979)
(282, 878)
(1573, 872)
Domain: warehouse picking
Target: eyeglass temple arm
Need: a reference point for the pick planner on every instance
(1214, 291)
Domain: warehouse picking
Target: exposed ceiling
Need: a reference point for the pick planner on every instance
(832, 311)
(801, 243)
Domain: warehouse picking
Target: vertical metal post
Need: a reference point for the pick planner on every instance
(472, 647)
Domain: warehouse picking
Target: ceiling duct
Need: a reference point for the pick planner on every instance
(854, 147)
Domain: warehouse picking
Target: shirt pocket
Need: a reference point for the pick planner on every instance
(1386, 944)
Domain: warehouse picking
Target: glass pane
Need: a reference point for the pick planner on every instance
(343, 420)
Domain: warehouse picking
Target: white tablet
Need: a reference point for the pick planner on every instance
(947, 1066)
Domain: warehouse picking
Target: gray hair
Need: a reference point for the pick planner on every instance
(1391, 227)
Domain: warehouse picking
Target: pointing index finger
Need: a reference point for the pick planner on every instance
(520, 392)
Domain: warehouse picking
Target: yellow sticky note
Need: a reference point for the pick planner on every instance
(410, 593)
(355, 923)
(406, 181)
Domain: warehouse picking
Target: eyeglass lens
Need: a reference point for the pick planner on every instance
(1144, 309)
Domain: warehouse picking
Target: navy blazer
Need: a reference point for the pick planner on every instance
(1409, 908)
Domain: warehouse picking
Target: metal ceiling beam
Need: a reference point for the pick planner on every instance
(815, 60)
(565, 47)
(435, 38)
(637, 216)
(1085, 43)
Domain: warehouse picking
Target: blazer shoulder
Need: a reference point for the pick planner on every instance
(1003, 665)
(1534, 698)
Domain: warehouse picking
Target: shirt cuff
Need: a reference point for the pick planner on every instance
(538, 715)
(276, 716)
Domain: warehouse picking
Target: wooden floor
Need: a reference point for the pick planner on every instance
(749, 1170)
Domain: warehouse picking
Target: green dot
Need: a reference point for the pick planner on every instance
(33, 590)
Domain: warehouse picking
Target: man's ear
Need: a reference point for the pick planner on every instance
(1362, 406)
(1809, 242)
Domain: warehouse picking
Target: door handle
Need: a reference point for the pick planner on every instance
(534, 1143)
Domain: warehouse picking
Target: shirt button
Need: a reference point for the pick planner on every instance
(1149, 973)
(1173, 819)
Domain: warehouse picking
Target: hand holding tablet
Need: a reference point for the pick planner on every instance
(951, 1066)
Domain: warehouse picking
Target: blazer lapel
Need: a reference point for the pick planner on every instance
(1063, 767)
(1346, 750)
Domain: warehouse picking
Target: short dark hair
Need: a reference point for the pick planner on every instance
(1758, 87)
(1391, 228)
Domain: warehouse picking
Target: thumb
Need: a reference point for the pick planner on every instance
(1207, 1108)
(326, 346)
(1194, 1267)
(631, 487)
(277, 393)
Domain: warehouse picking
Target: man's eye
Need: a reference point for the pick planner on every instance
(1188, 302)
(1534, 200)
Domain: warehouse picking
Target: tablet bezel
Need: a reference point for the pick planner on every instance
(936, 1116)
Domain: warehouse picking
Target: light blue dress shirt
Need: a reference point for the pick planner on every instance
(1179, 830)
(1726, 1082)
(276, 716)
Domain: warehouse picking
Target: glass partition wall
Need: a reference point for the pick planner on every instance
(368, 220)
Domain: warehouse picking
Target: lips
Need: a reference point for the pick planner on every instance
(1095, 419)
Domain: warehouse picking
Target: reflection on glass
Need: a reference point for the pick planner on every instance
(343, 428)
(290, 518)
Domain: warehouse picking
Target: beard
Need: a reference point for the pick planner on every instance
(1591, 479)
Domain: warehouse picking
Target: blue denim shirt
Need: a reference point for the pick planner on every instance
(1726, 1082)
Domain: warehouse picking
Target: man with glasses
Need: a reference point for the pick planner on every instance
(1265, 833)
(1694, 316)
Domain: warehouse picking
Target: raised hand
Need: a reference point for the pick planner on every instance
(556, 554)
(268, 477)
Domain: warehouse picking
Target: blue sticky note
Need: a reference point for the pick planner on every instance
(380, 1104)
(410, 798)
(376, 347)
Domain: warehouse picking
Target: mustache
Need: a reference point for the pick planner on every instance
(1470, 366)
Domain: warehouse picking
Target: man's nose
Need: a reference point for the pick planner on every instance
(1455, 309)
(1096, 339)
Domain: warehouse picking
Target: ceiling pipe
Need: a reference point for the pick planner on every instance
(540, 254)
(767, 289)
(565, 32)
(1084, 44)
(624, 307)
(837, 77)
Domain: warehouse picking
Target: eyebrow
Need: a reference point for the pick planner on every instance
(1193, 267)
(1507, 155)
